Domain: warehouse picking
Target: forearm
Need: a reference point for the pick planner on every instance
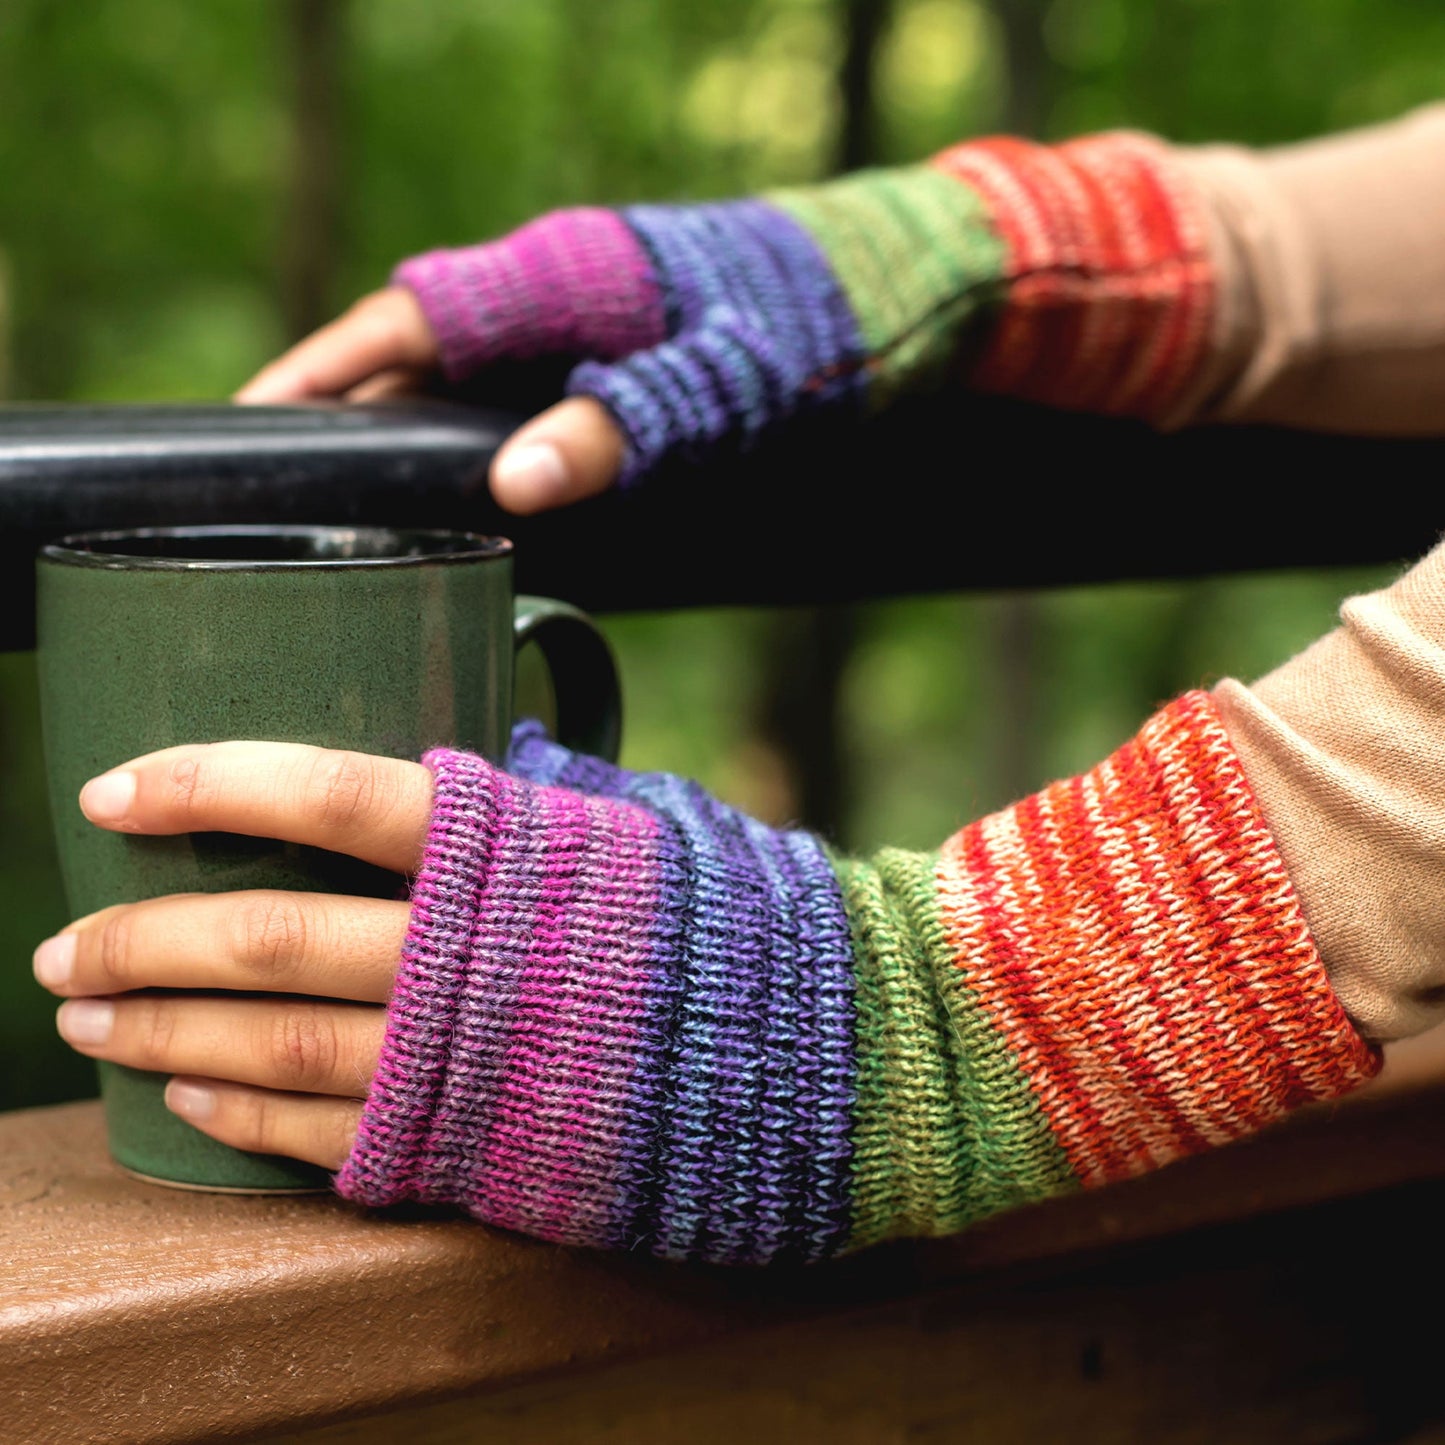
(629, 1016)
(1345, 747)
(1331, 264)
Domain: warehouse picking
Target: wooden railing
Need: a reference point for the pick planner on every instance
(1285, 1289)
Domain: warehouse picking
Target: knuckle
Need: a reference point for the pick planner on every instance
(339, 1135)
(184, 782)
(115, 952)
(258, 1126)
(269, 934)
(155, 1031)
(342, 788)
(382, 318)
(305, 1047)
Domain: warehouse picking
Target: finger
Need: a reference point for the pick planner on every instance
(315, 1128)
(306, 1046)
(399, 381)
(256, 942)
(383, 330)
(368, 807)
(572, 451)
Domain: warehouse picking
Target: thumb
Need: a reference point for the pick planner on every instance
(572, 451)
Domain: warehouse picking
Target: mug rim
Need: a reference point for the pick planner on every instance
(104, 549)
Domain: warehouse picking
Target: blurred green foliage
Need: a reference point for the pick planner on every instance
(145, 150)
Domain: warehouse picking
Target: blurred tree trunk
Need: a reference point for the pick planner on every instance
(807, 650)
(864, 22)
(6, 372)
(1031, 76)
(313, 39)
(1014, 626)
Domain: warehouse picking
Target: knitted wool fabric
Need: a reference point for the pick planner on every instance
(1076, 274)
(629, 1016)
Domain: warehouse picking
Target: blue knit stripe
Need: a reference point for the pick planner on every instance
(760, 329)
(739, 1137)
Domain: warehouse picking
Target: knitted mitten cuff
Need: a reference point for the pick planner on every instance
(629, 1016)
(1109, 975)
(615, 1026)
(1076, 275)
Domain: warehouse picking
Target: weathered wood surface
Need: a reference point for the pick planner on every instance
(1262, 1292)
(1248, 1334)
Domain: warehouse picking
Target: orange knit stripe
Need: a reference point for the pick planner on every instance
(1111, 286)
(1135, 939)
(1137, 998)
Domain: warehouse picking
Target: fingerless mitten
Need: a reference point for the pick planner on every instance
(629, 1016)
(1077, 275)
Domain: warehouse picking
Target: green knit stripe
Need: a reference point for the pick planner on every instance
(946, 1128)
(917, 257)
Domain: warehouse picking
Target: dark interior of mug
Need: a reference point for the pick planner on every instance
(183, 546)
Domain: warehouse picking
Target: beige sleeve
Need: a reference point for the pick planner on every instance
(1345, 748)
(1331, 258)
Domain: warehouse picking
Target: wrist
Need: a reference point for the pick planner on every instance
(1108, 277)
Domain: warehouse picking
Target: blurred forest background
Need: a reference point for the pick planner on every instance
(186, 188)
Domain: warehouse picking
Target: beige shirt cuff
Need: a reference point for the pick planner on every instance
(1345, 748)
(1331, 264)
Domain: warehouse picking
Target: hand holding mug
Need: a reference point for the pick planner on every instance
(346, 653)
(274, 1035)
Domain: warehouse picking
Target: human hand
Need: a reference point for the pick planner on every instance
(1072, 275)
(284, 1075)
(384, 346)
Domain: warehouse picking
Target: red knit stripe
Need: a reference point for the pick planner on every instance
(1226, 1097)
(1111, 290)
(1174, 270)
(1253, 863)
(1133, 936)
(1106, 1072)
(1128, 1009)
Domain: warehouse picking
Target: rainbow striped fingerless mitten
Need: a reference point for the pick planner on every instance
(629, 1016)
(705, 324)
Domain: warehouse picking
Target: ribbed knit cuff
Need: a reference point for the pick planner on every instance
(1134, 938)
(571, 283)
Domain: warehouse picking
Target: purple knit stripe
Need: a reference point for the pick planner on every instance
(747, 1084)
(813, 1042)
(549, 1165)
(571, 283)
(403, 1148)
(730, 1202)
(758, 329)
(485, 1002)
(723, 1160)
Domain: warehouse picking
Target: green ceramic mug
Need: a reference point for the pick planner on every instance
(386, 641)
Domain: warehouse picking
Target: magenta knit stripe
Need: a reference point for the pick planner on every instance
(571, 283)
(551, 1159)
(505, 1080)
(402, 1149)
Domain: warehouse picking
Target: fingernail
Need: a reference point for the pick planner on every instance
(107, 799)
(85, 1020)
(190, 1101)
(54, 960)
(533, 473)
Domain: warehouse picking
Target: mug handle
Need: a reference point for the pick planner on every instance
(584, 673)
